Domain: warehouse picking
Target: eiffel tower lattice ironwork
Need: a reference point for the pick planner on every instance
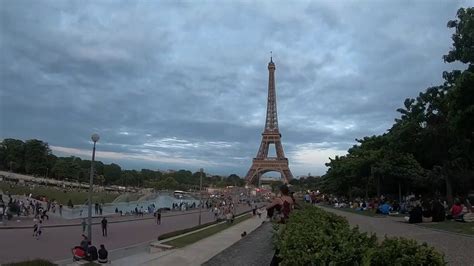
(271, 135)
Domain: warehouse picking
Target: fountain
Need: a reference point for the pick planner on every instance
(161, 200)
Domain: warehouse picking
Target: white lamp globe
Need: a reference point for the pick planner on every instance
(95, 137)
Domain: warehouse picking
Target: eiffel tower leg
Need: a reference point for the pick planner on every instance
(250, 175)
(287, 176)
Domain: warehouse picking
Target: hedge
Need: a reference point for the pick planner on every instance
(313, 236)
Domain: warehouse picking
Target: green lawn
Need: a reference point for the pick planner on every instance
(365, 213)
(62, 196)
(194, 237)
(452, 226)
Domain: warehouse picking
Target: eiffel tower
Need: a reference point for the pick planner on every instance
(270, 136)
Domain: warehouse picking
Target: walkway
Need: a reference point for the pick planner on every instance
(194, 254)
(458, 249)
(253, 250)
(56, 242)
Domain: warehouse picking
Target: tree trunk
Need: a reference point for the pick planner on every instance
(378, 186)
(399, 192)
(367, 188)
(449, 189)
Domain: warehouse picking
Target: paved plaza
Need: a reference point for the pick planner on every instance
(56, 242)
(196, 253)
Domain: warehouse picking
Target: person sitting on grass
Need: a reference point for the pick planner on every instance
(427, 213)
(416, 214)
(384, 208)
(438, 212)
(468, 215)
(395, 207)
(456, 210)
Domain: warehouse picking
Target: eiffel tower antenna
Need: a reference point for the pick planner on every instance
(262, 163)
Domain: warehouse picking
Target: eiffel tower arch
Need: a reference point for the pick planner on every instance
(262, 163)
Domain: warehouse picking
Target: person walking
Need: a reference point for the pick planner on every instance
(158, 217)
(83, 225)
(37, 230)
(104, 226)
(61, 209)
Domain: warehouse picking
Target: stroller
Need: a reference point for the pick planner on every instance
(78, 254)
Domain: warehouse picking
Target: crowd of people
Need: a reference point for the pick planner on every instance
(27, 207)
(223, 208)
(415, 208)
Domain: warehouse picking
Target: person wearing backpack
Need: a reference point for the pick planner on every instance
(279, 211)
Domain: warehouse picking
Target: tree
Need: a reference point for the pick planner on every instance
(167, 183)
(112, 173)
(14, 154)
(67, 168)
(36, 156)
(432, 141)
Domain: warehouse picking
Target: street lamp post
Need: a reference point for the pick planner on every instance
(95, 138)
(200, 195)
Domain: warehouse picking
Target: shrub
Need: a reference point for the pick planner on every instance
(402, 251)
(313, 236)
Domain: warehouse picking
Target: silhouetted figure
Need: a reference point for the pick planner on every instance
(104, 226)
(103, 255)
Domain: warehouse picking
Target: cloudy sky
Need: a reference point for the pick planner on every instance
(183, 84)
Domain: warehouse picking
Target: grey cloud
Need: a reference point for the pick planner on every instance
(197, 73)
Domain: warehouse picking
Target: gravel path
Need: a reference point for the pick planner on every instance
(254, 249)
(458, 249)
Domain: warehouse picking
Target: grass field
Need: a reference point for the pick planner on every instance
(452, 226)
(62, 196)
(194, 237)
(365, 213)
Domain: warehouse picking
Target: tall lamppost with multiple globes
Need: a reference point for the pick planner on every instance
(95, 138)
